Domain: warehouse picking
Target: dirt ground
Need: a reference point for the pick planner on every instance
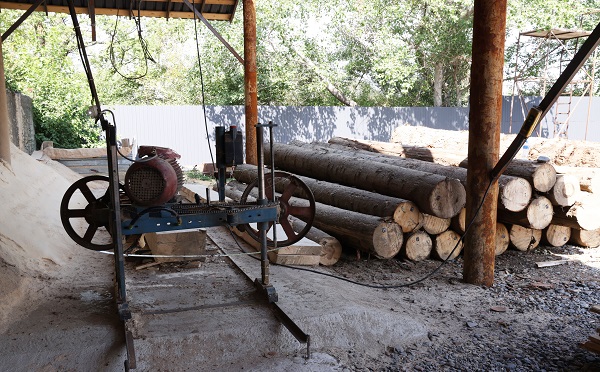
(58, 312)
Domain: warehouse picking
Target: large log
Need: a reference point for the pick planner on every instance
(364, 232)
(585, 238)
(537, 215)
(566, 191)
(331, 248)
(582, 215)
(589, 178)
(524, 238)
(408, 217)
(434, 225)
(417, 246)
(540, 175)
(434, 194)
(336, 195)
(514, 193)
(556, 235)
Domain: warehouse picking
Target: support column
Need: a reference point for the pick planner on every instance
(485, 116)
(250, 82)
(5, 139)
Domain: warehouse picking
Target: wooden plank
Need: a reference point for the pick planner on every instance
(591, 346)
(595, 309)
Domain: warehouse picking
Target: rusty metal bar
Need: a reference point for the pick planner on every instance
(489, 30)
(250, 80)
(213, 30)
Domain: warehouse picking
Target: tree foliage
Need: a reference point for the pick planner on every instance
(351, 52)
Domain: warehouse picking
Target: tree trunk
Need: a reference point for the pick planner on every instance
(438, 82)
(366, 233)
(589, 178)
(586, 238)
(514, 193)
(541, 175)
(502, 238)
(433, 194)
(339, 196)
(556, 235)
(566, 191)
(537, 215)
(408, 217)
(331, 248)
(434, 225)
(417, 246)
(524, 238)
(446, 243)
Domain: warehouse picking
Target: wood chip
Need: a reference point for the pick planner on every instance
(499, 309)
(541, 285)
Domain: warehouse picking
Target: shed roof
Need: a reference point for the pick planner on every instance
(221, 10)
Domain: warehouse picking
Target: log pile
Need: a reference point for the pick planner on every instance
(385, 199)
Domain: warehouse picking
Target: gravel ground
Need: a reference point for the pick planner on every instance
(532, 319)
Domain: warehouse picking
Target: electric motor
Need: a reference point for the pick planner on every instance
(155, 178)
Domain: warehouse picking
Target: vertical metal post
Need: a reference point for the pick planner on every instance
(489, 29)
(250, 84)
(271, 139)
(262, 200)
(221, 166)
(5, 140)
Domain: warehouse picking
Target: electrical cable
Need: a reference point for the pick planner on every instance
(381, 286)
(202, 89)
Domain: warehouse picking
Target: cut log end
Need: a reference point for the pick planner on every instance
(435, 225)
(515, 193)
(556, 235)
(544, 177)
(445, 243)
(539, 213)
(502, 238)
(586, 238)
(566, 190)
(417, 246)
(447, 198)
(387, 240)
(408, 216)
(331, 251)
(523, 238)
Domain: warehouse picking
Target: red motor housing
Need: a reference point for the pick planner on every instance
(155, 178)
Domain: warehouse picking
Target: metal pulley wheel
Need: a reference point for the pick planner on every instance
(96, 214)
(288, 184)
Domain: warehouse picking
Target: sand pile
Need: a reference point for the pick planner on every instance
(34, 248)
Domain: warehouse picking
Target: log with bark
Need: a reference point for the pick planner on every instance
(537, 215)
(447, 245)
(586, 238)
(434, 194)
(566, 191)
(434, 225)
(514, 193)
(417, 246)
(331, 248)
(556, 235)
(540, 175)
(408, 217)
(359, 231)
(333, 194)
(457, 223)
(523, 238)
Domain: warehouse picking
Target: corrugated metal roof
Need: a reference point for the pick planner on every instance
(222, 10)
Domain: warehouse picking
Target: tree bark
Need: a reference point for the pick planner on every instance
(445, 243)
(434, 194)
(537, 215)
(524, 238)
(586, 238)
(339, 196)
(514, 193)
(556, 235)
(542, 176)
(417, 246)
